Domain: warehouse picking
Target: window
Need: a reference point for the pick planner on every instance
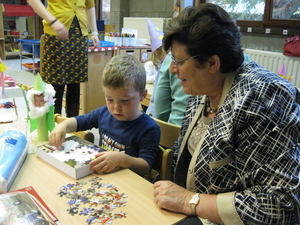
(105, 12)
(262, 13)
(285, 9)
(243, 10)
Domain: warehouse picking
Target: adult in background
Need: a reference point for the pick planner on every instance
(239, 147)
(170, 100)
(167, 101)
(64, 58)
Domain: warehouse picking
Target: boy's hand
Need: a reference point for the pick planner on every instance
(57, 137)
(106, 162)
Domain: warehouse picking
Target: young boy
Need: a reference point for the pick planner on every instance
(123, 128)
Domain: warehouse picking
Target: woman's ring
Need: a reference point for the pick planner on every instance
(60, 32)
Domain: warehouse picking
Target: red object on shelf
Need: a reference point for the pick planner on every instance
(18, 10)
(13, 32)
(30, 66)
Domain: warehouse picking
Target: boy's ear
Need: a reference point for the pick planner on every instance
(144, 94)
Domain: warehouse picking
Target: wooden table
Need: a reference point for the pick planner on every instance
(47, 180)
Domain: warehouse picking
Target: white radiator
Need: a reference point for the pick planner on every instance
(274, 60)
(140, 23)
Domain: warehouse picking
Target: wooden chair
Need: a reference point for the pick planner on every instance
(86, 135)
(163, 167)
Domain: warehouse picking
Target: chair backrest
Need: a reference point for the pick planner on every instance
(168, 136)
(86, 135)
(169, 133)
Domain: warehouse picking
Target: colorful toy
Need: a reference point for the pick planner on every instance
(2, 68)
(41, 108)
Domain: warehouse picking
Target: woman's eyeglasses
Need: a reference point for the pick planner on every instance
(181, 61)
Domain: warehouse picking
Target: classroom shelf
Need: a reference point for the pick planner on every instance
(6, 39)
(32, 48)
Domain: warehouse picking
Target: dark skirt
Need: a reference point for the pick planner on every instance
(65, 62)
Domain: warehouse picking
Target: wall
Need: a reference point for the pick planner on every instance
(146, 8)
(118, 10)
(139, 8)
(273, 43)
(164, 9)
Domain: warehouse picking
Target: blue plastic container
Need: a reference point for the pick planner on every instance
(29, 45)
(107, 44)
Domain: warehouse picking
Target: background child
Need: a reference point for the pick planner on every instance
(123, 128)
(152, 65)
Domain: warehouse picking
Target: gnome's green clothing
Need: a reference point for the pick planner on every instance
(41, 118)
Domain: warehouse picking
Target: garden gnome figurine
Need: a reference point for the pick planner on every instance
(41, 108)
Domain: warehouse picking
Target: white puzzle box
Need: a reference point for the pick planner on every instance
(74, 157)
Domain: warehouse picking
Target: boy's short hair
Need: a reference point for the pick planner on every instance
(124, 71)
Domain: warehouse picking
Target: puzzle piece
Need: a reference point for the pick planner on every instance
(101, 200)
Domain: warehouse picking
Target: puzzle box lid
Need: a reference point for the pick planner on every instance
(73, 159)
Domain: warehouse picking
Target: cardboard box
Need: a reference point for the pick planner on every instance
(109, 28)
(73, 159)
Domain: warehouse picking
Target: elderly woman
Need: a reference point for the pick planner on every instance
(239, 147)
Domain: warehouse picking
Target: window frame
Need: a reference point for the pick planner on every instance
(267, 22)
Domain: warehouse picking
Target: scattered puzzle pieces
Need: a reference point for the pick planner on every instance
(98, 201)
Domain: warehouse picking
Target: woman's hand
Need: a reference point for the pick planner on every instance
(106, 162)
(96, 41)
(170, 196)
(60, 30)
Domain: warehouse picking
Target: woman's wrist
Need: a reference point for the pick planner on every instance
(187, 207)
(53, 21)
(95, 33)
